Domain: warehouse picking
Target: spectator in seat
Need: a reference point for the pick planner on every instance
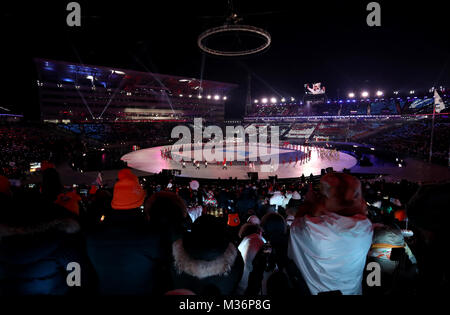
(272, 256)
(38, 240)
(397, 274)
(252, 241)
(205, 261)
(123, 250)
(330, 239)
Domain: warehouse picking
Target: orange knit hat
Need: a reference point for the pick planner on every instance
(69, 201)
(128, 193)
(400, 215)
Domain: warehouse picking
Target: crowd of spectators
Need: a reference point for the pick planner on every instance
(21, 145)
(164, 235)
(413, 139)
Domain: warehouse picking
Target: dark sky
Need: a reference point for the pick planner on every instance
(321, 41)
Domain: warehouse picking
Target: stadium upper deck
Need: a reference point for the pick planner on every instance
(71, 92)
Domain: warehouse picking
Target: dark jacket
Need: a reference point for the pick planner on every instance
(34, 259)
(126, 255)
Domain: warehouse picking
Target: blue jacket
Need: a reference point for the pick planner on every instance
(34, 259)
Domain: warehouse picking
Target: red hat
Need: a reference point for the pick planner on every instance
(233, 219)
(5, 186)
(128, 193)
(93, 190)
(400, 215)
(45, 165)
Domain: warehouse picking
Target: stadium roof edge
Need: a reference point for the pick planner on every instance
(224, 84)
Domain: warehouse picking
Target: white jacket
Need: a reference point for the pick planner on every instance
(330, 251)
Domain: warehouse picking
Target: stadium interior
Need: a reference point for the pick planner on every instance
(351, 179)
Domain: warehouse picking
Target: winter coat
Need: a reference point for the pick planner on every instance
(220, 276)
(127, 255)
(34, 259)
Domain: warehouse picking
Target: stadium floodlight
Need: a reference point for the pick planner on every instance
(256, 101)
(283, 99)
(224, 98)
(216, 97)
(351, 95)
(273, 100)
(208, 97)
(200, 97)
(190, 95)
(365, 94)
(379, 93)
(292, 99)
(181, 95)
(264, 100)
(411, 92)
(396, 92)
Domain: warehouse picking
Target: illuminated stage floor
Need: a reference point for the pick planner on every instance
(150, 160)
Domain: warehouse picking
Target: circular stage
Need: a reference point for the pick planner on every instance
(293, 161)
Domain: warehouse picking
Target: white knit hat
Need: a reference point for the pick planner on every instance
(194, 185)
(296, 196)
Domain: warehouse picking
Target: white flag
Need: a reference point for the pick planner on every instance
(99, 179)
(438, 103)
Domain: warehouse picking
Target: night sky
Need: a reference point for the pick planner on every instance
(316, 41)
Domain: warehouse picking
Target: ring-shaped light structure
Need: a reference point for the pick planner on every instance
(234, 28)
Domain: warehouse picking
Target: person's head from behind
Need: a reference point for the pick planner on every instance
(339, 193)
(165, 210)
(208, 238)
(274, 226)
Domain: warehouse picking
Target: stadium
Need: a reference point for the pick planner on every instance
(228, 179)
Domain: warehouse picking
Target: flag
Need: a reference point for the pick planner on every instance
(438, 103)
(99, 179)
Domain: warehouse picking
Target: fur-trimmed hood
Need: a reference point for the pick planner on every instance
(221, 266)
(63, 225)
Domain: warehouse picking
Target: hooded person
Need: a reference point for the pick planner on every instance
(331, 236)
(205, 261)
(122, 248)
